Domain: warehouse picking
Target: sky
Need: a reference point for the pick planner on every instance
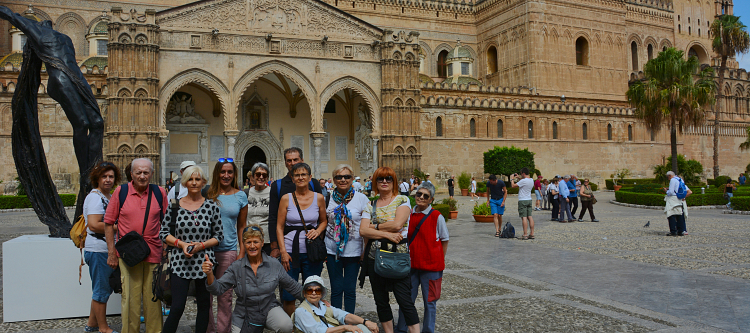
(742, 9)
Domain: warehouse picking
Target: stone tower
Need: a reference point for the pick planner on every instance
(132, 124)
(400, 137)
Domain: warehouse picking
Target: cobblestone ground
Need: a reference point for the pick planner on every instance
(611, 276)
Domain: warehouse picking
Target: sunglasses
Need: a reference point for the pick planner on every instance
(314, 291)
(254, 228)
(106, 164)
(340, 177)
(387, 179)
(422, 195)
(226, 159)
(261, 175)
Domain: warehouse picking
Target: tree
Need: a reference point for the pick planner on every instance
(730, 38)
(674, 91)
(746, 145)
(690, 170)
(507, 160)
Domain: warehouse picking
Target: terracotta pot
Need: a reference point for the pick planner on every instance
(465, 192)
(482, 194)
(618, 187)
(484, 218)
(454, 214)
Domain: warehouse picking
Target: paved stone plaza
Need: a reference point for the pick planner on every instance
(612, 276)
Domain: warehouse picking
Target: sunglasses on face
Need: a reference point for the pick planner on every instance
(340, 177)
(422, 195)
(387, 179)
(226, 159)
(261, 175)
(314, 291)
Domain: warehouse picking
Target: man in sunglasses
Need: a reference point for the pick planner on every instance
(180, 190)
(283, 186)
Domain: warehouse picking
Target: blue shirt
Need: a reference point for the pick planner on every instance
(564, 190)
(571, 184)
(230, 208)
(305, 321)
(742, 180)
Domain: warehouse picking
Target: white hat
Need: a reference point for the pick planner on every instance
(315, 279)
(356, 178)
(186, 164)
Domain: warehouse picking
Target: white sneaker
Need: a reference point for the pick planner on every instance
(471, 200)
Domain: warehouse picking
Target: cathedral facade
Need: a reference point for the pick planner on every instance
(407, 84)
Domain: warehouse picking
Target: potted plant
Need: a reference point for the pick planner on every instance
(464, 181)
(482, 189)
(482, 213)
(452, 205)
(620, 174)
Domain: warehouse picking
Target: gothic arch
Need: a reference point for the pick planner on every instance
(650, 40)
(411, 150)
(428, 58)
(74, 26)
(289, 72)
(701, 50)
(194, 75)
(124, 149)
(440, 48)
(41, 15)
(123, 93)
(96, 20)
(665, 43)
(266, 142)
(635, 38)
(141, 149)
(370, 97)
(141, 93)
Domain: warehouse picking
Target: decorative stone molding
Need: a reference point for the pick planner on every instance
(208, 80)
(349, 82)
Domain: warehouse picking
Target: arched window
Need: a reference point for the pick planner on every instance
(634, 55)
(690, 30)
(582, 52)
(441, 65)
(699, 32)
(473, 128)
(554, 130)
(531, 129)
(585, 129)
(499, 128)
(439, 126)
(650, 51)
(679, 28)
(491, 60)
(630, 132)
(609, 131)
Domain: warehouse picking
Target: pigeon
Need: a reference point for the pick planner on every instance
(648, 224)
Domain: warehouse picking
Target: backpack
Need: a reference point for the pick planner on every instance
(155, 189)
(681, 189)
(278, 187)
(508, 231)
(328, 317)
(78, 235)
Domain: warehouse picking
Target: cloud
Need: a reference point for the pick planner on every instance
(744, 61)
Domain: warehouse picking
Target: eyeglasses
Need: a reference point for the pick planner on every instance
(301, 175)
(422, 195)
(261, 175)
(387, 179)
(312, 291)
(340, 177)
(226, 159)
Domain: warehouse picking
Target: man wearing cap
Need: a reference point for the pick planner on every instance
(427, 178)
(538, 192)
(313, 316)
(357, 186)
(182, 190)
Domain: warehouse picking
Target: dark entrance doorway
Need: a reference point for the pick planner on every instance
(252, 156)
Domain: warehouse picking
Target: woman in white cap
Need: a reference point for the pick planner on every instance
(313, 316)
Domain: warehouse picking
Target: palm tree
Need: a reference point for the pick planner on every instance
(746, 145)
(730, 38)
(673, 90)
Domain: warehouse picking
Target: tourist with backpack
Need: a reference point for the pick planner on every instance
(190, 234)
(313, 316)
(179, 192)
(137, 208)
(676, 207)
(103, 178)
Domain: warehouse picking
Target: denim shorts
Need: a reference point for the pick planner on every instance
(538, 195)
(495, 206)
(99, 272)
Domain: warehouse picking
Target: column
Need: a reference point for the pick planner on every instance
(375, 153)
(163, 159)
(231, 140)
(317, 142)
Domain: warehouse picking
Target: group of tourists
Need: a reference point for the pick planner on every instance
(254, 240)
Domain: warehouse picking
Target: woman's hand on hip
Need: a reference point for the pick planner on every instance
(285, 260)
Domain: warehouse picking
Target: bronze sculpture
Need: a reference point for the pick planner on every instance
(67, 86)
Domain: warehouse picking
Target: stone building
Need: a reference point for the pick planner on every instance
(408, 84)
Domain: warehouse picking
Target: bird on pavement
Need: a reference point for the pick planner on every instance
(648, 224)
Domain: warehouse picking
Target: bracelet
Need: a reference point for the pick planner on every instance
(203, 245)
(176, 241)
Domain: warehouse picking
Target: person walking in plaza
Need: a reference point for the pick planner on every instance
(388, 228)
(255, 277)
(573, 187)
(545, 195)
(180, 190)
(564, 199)
(232, 204)
(257, 201)
(587, 201)
(538, 192)
(192, 232)
(283, 186)
(676, 208)
(301, 216)
(742, 179)
(429, 244)
(346, 210)
(473, 189)
(496, 200)
(103, 177)
(404, 188)
(554, 198)
(525, 184)
(451, 185)
(368, 186)
(729, 192)
(357, 185)
(143, 201)
(314, 316)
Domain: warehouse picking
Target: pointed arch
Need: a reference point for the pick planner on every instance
(370, 96)
(203, 78)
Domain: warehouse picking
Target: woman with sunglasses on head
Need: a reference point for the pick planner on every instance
(387, 229)
(232, 202)
(346, 210)
(258, 197)
(192, 233)
(255, 278)
(104, 176)
(302, 216)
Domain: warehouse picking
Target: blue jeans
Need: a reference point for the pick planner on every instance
(343, 275)
(496, 208)
(677, 224)
(99, 272)
(729, 204)
(564, 208)
(307, 269)
(430, 283)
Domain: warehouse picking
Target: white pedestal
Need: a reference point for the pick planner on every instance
(40, 280)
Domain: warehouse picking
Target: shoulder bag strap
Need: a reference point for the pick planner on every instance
(302, 218)
(416, 230)
(148, 208)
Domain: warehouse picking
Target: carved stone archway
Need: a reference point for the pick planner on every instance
(371, 99)
(270, 146)
(207, 80)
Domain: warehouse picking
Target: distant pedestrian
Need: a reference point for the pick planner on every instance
(538, 192)
(729, 192)
(357, 185)
(324, 188)
(524, 185)
(545, 194)
(451, 184)
(404, 188)
(675, 208)
(178, 190)
(564, 200)
(587, 197)
(496, 195)
(742, 179)
(573, 197)
(554, 198)
(473, 189)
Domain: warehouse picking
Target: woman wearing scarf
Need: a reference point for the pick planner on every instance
(346, 209)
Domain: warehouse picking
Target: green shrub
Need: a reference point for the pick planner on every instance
(625, 182)
(511, 190)
(451, 203)
(720, 181)
(19, 188)
(594, 187)
(22, 201)
(654, 199)
(689, 170)
(648, 188)
(481, 187)
(741, 203)
(464, 180)
(481, 209)
(443, 209)
(507, 160)
(609, 184)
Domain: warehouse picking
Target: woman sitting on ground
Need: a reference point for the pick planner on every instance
(312, 316)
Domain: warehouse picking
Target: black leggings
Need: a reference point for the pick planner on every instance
(401, 291)
(180, 288)
(587, 205)
(555, 209)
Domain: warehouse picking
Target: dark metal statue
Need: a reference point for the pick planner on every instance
(67, 86)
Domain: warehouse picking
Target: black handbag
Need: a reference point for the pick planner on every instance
(162, 286)
(115, 281)
(133, 247)
(316, 248)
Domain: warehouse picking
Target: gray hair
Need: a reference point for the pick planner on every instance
(189, 173)
(259, 165)
(670, 173)
(302, 165)
(142, 159)
(342, 167)
(566, 177)
(429, 187)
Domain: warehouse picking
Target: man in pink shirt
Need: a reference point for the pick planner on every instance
(137, 280)
(538, 192)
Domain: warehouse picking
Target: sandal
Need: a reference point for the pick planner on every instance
(524, 237)
(497, 234)
(531, 236)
